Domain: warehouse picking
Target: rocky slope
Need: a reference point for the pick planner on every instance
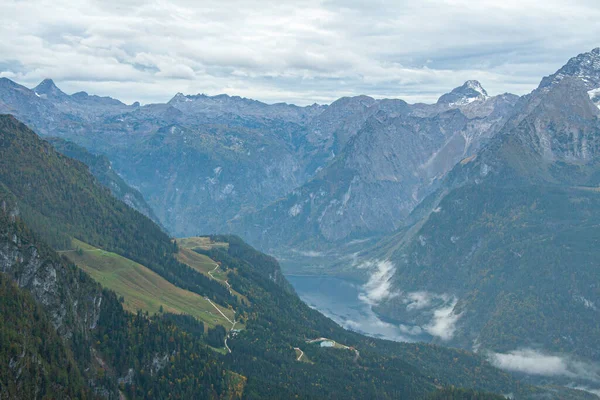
(393, 155)
(145, 356)
(68, 301)
(37, 364)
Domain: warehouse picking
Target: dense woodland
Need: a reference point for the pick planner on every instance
(279, 321)
(452, 393)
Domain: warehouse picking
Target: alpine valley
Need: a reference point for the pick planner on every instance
(472, 225)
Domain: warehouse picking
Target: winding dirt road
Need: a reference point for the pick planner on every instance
(301, 353)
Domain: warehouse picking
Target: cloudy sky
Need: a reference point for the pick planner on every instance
(300, 52)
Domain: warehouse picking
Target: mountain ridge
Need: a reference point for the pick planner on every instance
(504, 250)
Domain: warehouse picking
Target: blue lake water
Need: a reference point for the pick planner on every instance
(339, 300)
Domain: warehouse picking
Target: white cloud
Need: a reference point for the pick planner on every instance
(443, 323)
(379, 285)
(535, 362)
(411, 330)
(594, 391)
(422, 299)
(286, 51)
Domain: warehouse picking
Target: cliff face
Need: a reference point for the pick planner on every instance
(36, 364)
(221, 164)
(66, 298)
(71, 305)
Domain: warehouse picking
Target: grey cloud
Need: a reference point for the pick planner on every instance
(286, 51)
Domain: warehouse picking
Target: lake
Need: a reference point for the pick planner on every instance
(339, 300)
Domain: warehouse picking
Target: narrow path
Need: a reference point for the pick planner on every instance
(301, 353)
(227, 337)
(226, 283)
(356, 355)
(227, 347)
(229, 287)
(211, 272)
(219, 310)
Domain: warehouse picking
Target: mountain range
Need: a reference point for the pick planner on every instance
(470, 222)
(256, 169)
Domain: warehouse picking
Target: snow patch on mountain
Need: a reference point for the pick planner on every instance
(595, 96)
(585, 66)
(586, 303)
(471, 91)
(295, 210)
(476, 86)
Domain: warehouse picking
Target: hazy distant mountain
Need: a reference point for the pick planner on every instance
(202, 161)
(101, 168)
(198, 160)
(394, 155)
(505, 253)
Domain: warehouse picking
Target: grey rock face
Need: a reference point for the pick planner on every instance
(396, 158)
(47, 89)
(198, 160)
(585, 67)
(70, 306)
(469, 92)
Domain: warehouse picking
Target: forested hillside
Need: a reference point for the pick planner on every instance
(509, 244)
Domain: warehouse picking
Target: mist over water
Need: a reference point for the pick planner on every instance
(340, 300)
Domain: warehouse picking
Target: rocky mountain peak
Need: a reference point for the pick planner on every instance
(469, 92)
(179, 97)
(585, 66)
(476, 86)
(48, 89)
(7, 82)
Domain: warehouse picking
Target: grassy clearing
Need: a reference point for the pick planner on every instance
(200, 242)
(141, 288)
(204, 265)
(220, 350)
(199, 262)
